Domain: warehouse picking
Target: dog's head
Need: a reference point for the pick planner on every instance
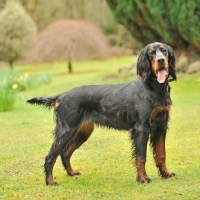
(157, 60)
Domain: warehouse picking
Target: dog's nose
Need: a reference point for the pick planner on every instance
(160, 60)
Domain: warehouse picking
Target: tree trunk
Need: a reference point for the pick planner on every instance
(11, 64)
(70, 67)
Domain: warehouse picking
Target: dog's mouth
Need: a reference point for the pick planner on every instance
(162, 75)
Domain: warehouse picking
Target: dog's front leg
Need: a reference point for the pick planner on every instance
(160, 157)
(140, 139)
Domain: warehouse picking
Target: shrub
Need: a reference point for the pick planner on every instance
(16, 28)
(7, 98)
(173, 22)
(11, 82)
(70, 40)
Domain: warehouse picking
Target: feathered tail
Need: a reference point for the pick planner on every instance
(45, 101)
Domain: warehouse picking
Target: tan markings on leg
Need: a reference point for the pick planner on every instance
(69, 169)
(141, 172)
(160, 158)
(86, 127)
(160, 153)
(140, 165)
(81, 136)
(50, 177)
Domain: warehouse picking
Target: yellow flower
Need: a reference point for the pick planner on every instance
(14, 86)
(19, 79)
(26, 74)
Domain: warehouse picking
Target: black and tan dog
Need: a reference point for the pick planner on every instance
(141, 107)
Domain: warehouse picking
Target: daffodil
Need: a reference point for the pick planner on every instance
(15, 86)
(26, 74)
(19, 79)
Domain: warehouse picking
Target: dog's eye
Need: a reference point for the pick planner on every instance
(152, 52)
(163, 50)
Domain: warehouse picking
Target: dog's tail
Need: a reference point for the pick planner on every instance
(45, 101)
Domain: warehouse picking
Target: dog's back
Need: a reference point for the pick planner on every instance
(111, 105)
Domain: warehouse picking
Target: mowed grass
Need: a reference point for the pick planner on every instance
(104, 161)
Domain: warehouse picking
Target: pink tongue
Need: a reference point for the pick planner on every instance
(161, 76)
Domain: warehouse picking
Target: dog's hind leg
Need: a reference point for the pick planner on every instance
(83, 133)
(61, 140)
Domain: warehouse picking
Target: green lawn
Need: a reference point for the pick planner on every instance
(105, 160)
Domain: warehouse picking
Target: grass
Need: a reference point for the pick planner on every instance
(105, 160)
(13, 81)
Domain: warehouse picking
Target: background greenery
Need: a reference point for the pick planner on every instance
(105, 160)
(11, 82)
(173, 22)
(17, 29)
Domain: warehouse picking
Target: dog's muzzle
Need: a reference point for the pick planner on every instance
(162, 75)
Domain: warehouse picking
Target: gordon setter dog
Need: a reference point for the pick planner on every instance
(141, 107)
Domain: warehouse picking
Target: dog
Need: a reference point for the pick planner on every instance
(141, 107)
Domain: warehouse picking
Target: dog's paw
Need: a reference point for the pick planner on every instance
(74, 174)
(51, 183)
(166, 174)
(143, 179)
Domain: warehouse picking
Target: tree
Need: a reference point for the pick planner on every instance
(16, 30)
(43, 12)
(173, 22)
(70, 40)
(188, 25)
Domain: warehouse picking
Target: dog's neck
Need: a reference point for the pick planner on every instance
(161, 88)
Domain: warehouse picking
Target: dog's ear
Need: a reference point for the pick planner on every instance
(172, 62)
(143, 64)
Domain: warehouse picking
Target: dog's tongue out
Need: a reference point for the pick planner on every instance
(161, 76)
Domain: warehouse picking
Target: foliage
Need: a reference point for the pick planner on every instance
(7, 98)
(105, 159)
(121, 38)
(16, 28)
(189, 26)
(70, 40)
(46, 11)
(173, 22)
(96, 11)
(2, 4)
(12, 81)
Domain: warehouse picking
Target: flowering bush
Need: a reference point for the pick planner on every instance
(11, 82)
